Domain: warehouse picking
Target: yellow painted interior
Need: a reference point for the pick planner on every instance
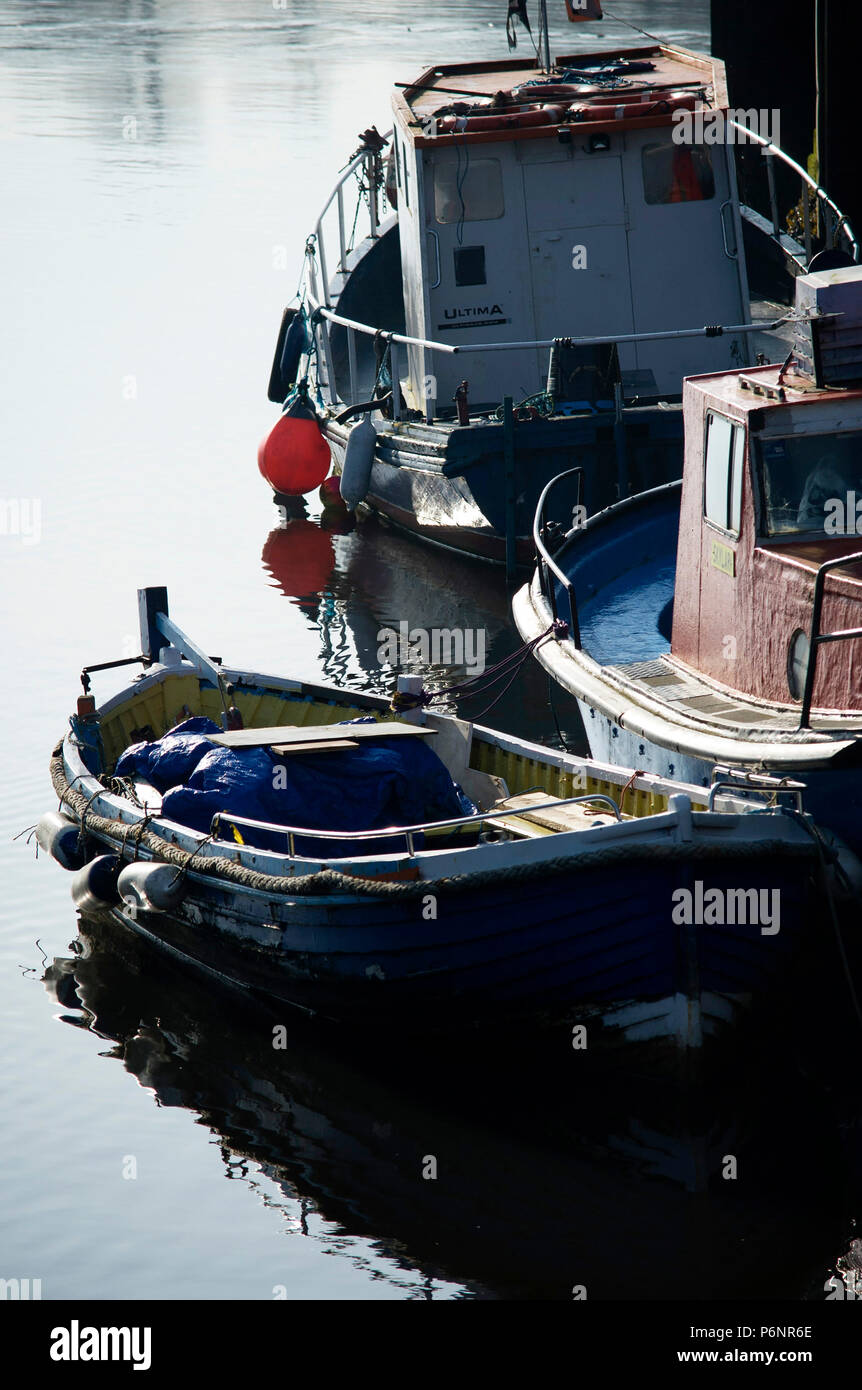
(523, 773)
(180, 697)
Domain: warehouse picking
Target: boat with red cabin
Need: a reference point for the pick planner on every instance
(719, 621)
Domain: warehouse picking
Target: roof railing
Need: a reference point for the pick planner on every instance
(840, 226)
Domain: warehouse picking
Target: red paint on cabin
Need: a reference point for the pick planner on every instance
(740, 597)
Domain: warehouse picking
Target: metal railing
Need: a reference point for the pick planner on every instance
(745, 779)
(396, 831)
(546, 564)
(818, 638)
(840, 226)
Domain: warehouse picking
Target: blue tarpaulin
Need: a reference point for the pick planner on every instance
(387, 782)
(170, 761)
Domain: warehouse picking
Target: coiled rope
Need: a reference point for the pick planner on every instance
(331, 881)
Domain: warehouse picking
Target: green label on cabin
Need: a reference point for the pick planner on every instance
(723, 558)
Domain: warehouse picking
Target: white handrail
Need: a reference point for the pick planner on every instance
(843, 224)
(705, 330)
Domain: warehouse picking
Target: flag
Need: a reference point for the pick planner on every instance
(517, 10)
(579, 10)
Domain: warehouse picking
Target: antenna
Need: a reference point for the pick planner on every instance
(544, 40)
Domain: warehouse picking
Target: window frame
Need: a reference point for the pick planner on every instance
(759, 483)
(444, 164)
(670, 202)
(735, 464)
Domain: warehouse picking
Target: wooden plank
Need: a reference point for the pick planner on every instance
(330, 745)
(285, 734)
(580, 816)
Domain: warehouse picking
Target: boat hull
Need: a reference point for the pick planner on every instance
(593, 948)
(531, 935)
(448, 484)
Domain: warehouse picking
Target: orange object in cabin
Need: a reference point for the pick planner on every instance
(686, 185)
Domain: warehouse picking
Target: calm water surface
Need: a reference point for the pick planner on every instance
(162, 165)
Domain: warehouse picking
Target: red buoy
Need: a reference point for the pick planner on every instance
(330, 493)
(294, 458)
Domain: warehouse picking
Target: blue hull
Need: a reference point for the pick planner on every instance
(599, 948)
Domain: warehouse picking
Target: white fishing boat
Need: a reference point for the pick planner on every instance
(565, 241)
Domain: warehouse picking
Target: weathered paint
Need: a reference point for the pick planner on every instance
(737, 628)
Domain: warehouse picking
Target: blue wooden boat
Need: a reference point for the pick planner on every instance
(718, 621)
(572, 894)
(553, 260)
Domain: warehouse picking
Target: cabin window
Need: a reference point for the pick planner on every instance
(470, 265)
(811, 483)
(468, 190)
(677, 173)
(737, 461)
(722, 483)
(397, 160)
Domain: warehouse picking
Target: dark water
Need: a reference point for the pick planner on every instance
(162, 165)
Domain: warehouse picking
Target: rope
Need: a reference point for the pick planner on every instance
(629, 784)
(619, 20)
(331, 881)
(480, 684)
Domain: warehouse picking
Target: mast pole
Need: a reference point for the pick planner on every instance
(544, 38)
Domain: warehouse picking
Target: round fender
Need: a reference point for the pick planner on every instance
(513, 118)
(152, 887)
(95, 885)
(60, 837)
(358, 460)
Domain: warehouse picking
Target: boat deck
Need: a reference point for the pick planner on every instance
(662, 679)
(674, 69)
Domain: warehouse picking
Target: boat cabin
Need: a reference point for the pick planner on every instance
(771, 505)
(575, 203)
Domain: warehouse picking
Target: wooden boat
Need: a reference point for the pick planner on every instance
(554, 262)
(720, 620)
(554, 904)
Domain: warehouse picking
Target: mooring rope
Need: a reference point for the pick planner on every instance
(332, 881)
(473, 686)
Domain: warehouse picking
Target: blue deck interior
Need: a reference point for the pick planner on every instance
(623, 572)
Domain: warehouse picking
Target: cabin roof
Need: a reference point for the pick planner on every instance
(675, 69)
(742, 392)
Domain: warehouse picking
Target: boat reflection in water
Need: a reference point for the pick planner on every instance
(545, 1184)
(357, 582)
(300, 557)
